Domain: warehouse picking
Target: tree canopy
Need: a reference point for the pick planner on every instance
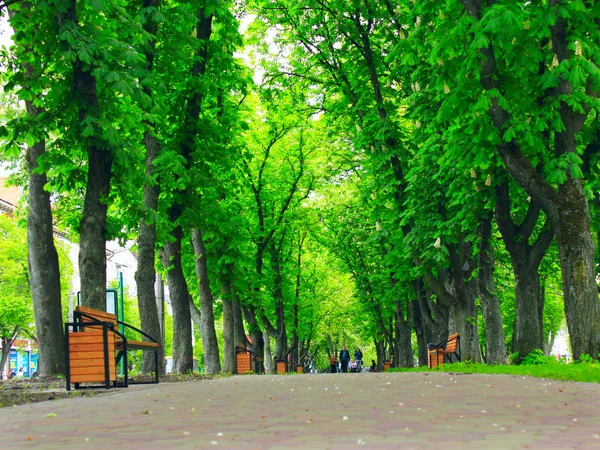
(315, 173)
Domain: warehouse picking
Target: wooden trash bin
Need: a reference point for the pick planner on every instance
(300, 368)
(386, 365)
(434, 358)
(89, 357)
(281, 366)
(244, 362)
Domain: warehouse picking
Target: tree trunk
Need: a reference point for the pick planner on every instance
(195, 314)
(495, 348)
(576, 252)
(212, 364)
(7, 343)
(229, 358)
(180, 298)
(381, 356)
(92, 244)
(145, 275)
(464, 316)
(256, 335)
(434, 314)
(269, 366)
(415, 312)
(281, 340)
(160, 305)
(239, 335)
(463, 307)
(526, 259)
(403, 355)
(44, 273)
(528, 334)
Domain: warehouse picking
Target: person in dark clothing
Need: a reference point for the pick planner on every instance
(344, 359)
(373, 366)
(358, 356)
(333, 363)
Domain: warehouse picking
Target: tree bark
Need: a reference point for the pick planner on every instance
(44, 273)
(460, 292)
(145, 275)
(495, 348)
(269, 366)
(195, 314)
(180, 297)
(7, 342)
(92, 243)
(256, 335)
(229, 359)
(403, 356)
(212, 364)
(415, 312)
(229, 333)
(239, 335)
(526, 258)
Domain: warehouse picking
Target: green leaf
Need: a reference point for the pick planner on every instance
(509, 135)
(88, 130)
(577, 76)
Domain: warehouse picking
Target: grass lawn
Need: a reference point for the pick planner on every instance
(542, 367)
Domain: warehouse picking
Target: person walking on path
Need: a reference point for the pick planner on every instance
(344, 359)
(333, 363)
(358, 356)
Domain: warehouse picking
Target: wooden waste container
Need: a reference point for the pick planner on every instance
(281, 366)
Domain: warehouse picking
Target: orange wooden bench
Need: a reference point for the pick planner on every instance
(437, 354)
(92, 340)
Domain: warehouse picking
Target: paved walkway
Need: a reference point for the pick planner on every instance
(377, 411)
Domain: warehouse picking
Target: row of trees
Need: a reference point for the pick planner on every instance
(427, 150)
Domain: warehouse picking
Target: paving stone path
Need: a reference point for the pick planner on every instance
(337, 411)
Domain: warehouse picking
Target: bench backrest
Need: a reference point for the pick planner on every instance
(452, 344)
(98, 315)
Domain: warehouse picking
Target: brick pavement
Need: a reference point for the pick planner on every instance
(374, 411)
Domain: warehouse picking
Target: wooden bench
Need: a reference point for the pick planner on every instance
(437, 354)
(247, 361)
(91, 342)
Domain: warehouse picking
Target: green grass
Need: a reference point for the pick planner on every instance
(584, 372)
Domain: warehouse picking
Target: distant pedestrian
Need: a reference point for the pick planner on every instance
(344, 359)
(373, 366)
(333, 364)
(20, 373)
(358, 356)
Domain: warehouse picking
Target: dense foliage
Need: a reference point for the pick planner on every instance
(319, 173)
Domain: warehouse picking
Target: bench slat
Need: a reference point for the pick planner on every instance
(101, 315)
(92, 370)
(90, 378)
(92, 362)
(85, 340)
(90, 347)
(87, 355)
(137, 345)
